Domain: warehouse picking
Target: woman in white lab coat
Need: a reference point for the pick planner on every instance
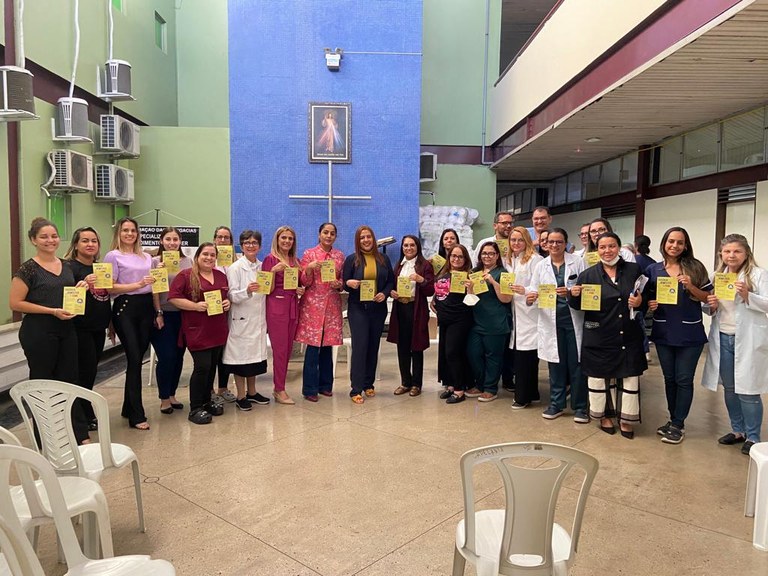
(738, 343)
(245, 354)
(560, 328)
(522, 260)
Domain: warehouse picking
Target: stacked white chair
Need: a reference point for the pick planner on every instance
(756, 502)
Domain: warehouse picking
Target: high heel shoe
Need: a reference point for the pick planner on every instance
(283, 399)
(628, 434)
(168, 410)
(608, 429)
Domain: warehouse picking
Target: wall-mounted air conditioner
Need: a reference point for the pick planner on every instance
(71, 121)
(17, 101)
(427, 167)
(113, 184)
(113, 82)
(70, 170)
(119, 136)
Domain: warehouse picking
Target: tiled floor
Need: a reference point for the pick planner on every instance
(334, 488)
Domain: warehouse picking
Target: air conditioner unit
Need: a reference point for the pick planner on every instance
(18, 101)
(114, 81)
(119, 136)
(113, 184)
(427, 167)
(70, 170)
(71, 122)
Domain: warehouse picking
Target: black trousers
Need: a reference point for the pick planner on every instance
(508, 366)
(453, 343)
(366, 323)
(133, 317)
(406, 357)
(203, 375)
(90, 345)
(526, 376)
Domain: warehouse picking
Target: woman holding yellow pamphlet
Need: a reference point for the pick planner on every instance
(524, 340)
(132, 312)
(448, 239)
(409, 323)
(738, 340)
(282, 305)
(678, 332)
(320, 319)
(201, 293)
(224, 241)
(47, 334)
(368, 277)
(165, 336)
(91, 327)
(492, 324)
(612, 355)
(597, 227)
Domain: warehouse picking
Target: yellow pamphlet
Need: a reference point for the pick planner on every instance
(507, 280)
(367, 290)
(172, 261)
(213, 299)
(457, 282)
(547, 296)
(74, 300)
(225, 256)
(503, 244)
(103, 271)
(590, 296)
(264, 280)
(291, 278)
(328, 271)
(666, 290)
(478, 284)
(592, 258)
(725, 285)
(161, 280)
(404, 287)
(437, 263)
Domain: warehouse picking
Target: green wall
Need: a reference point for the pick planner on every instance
(5, 226)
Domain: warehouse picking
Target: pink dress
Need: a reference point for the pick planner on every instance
(320, 308)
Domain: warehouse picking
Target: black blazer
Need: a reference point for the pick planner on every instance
(385, 279)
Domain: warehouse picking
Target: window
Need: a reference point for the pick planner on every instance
(609, 184)
(666, 161)
(592, 182)
(161, 33)
(560, 194)
(629, 172)
(743, 140)
(700, 151)
(574, 186)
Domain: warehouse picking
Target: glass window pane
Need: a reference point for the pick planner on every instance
(629, 172)
(528, 200)
(609, 184)
(669, 161)
(518, 202)
(560, 194)
(743, 140)
(574, 186)
(700, 151)
(592, 182)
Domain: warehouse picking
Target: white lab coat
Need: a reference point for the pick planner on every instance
(525, 319)
(247, 341)
(543, 274)
(751, 358)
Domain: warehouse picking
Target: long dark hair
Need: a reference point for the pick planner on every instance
(71, 253)
(161, 248)
(440, 247)
(591, 246)
(448, 267)
(359, 254)
(689, 265)
(420, 260)
(496, 264)
(194, 276)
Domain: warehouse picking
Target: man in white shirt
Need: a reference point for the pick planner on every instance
(502, 226)
(542, 221)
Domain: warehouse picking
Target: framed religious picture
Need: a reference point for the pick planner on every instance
(330, 132)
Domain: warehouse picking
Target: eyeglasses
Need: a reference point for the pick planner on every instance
(488, 254)
(582, 234)
(506, 223)
(457, 257)
(250, 243)
(599, 231)
(555, 242)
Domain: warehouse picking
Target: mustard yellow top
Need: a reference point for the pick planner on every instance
(369, 272)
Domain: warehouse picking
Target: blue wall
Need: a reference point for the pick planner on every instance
(277, 66)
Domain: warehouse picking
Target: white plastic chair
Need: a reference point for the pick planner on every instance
(81, 496)
(51, 405)
(20, 558)
(756, 502)
(523, 538)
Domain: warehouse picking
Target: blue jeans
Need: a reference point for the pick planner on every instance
(744, 410)
(170, 357)
(318, 370)
(568, 370)
(678, 364)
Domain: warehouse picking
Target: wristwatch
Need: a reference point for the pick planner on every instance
(158, 312)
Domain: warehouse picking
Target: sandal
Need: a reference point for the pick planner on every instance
(402, 390)
(141, 425)
(357, 399)
(168, 410)
(370, 392)
(445, 394)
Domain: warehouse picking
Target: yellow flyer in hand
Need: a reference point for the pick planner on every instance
(103, 272)
(479, 285)
(503, 244)
(506, 281)
(725, 285)
(457, 282)
(172, 261)
(404, 287)
(213, 299)
(291, 278)
(264, 280)
(437, 263)
(327, 271)
(666, 290)
(547, 296)
(74, 300)
(225, 256)
(367, 290)
(161, 280)
(590, 296)
(592, 258)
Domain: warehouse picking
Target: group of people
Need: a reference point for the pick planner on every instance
(524, 294)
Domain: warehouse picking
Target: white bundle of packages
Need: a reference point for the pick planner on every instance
(434, 219)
